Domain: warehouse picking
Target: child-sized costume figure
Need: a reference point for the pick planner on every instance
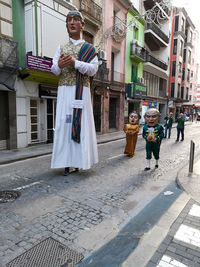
(153, 134)
(131, 129)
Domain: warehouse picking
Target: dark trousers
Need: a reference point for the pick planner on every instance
(178, 133)
(152, 148)
(169, 131)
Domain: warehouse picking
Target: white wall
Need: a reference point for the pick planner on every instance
(51, 29)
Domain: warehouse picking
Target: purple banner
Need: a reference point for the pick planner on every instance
(38, 63)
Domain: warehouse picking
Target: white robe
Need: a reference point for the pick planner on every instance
(66, 152)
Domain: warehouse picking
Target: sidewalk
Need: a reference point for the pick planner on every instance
(8, 156)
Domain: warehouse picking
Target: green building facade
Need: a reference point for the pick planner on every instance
(135, 57)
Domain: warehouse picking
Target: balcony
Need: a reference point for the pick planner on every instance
(117, 77)
(155, 37)
(102, 73)
(8, 55)
(91, 12)
(156, 62)
(118, 30)
(137, 53)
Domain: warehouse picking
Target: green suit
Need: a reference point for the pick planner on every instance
(152, 147)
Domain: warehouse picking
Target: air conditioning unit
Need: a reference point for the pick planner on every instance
(102, 55)
(141, 80)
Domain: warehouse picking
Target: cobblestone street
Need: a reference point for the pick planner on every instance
(69, 209)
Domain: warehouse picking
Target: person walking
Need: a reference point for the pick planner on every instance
(180, 127)
(131, 129)
(168, 124)
(153, 134)
(75, 143)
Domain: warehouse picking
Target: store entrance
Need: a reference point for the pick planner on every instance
(3, 120)
(51, 119)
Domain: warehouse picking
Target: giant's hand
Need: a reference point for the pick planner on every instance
(66, 60)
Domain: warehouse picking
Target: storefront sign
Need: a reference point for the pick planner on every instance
(38, 63)
(152, 104)
(170, 104)
(145, 103)
(140, 90)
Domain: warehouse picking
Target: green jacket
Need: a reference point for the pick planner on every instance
(169, 121)
(158, 131)
(180, 123)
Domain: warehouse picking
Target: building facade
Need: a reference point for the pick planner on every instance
(157, 43)
(183, 64)
(8, 72)
(136, 91)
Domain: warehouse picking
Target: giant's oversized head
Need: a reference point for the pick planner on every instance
(152, 117)
(134, 117)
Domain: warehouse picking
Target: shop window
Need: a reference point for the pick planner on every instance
(34, 120)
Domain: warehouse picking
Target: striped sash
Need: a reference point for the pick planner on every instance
(86, 54)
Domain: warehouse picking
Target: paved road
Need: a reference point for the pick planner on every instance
(89, 209)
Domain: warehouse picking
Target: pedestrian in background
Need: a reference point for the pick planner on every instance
(168, 124)
(75, 142)
(131, 129)
(180, 127)
(153, 134)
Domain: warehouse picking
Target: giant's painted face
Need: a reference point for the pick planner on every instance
(152, 117)
(133, 118)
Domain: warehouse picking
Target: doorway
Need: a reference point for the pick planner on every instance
(112, 113)
(97, 112)
(51, 119)
(4, 122)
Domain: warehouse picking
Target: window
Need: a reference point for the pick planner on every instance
(183, 75)
(174, 68)
(175, 47)
(182, 92)
(184, 55)
(182, 24)
(172, 89)
(181, 48)
(34, 120)
(179, 91)
(176, 24)
(189, 57)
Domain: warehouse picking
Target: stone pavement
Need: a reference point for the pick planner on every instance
(173, 241)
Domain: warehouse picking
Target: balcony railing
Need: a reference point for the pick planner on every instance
(91, 8)
(117, 77)
(8, 55)
(138, 51)
(102, 73)
(152, 26)
(156, 62)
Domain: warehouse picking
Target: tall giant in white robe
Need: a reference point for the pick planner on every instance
(66, 152)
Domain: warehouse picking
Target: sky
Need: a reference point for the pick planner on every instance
(192, 8)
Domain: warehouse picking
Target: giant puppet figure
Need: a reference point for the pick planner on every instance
(153, 134)
(75, 142)
(131, 129)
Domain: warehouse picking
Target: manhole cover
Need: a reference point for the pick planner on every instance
(48, 253)
(8, 195)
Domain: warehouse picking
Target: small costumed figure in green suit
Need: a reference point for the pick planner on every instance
(153, 133)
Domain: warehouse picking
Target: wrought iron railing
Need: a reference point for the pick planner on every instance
(8, 54)
(117, 77)
(156, 62)
(102, 73)
(152, 26)
(137, 50)
(90, 7)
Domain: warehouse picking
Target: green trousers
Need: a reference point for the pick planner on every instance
(152, 148)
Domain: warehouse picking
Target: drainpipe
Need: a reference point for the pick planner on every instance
(36, 27)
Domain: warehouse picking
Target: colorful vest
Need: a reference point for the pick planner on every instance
(68, 74)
